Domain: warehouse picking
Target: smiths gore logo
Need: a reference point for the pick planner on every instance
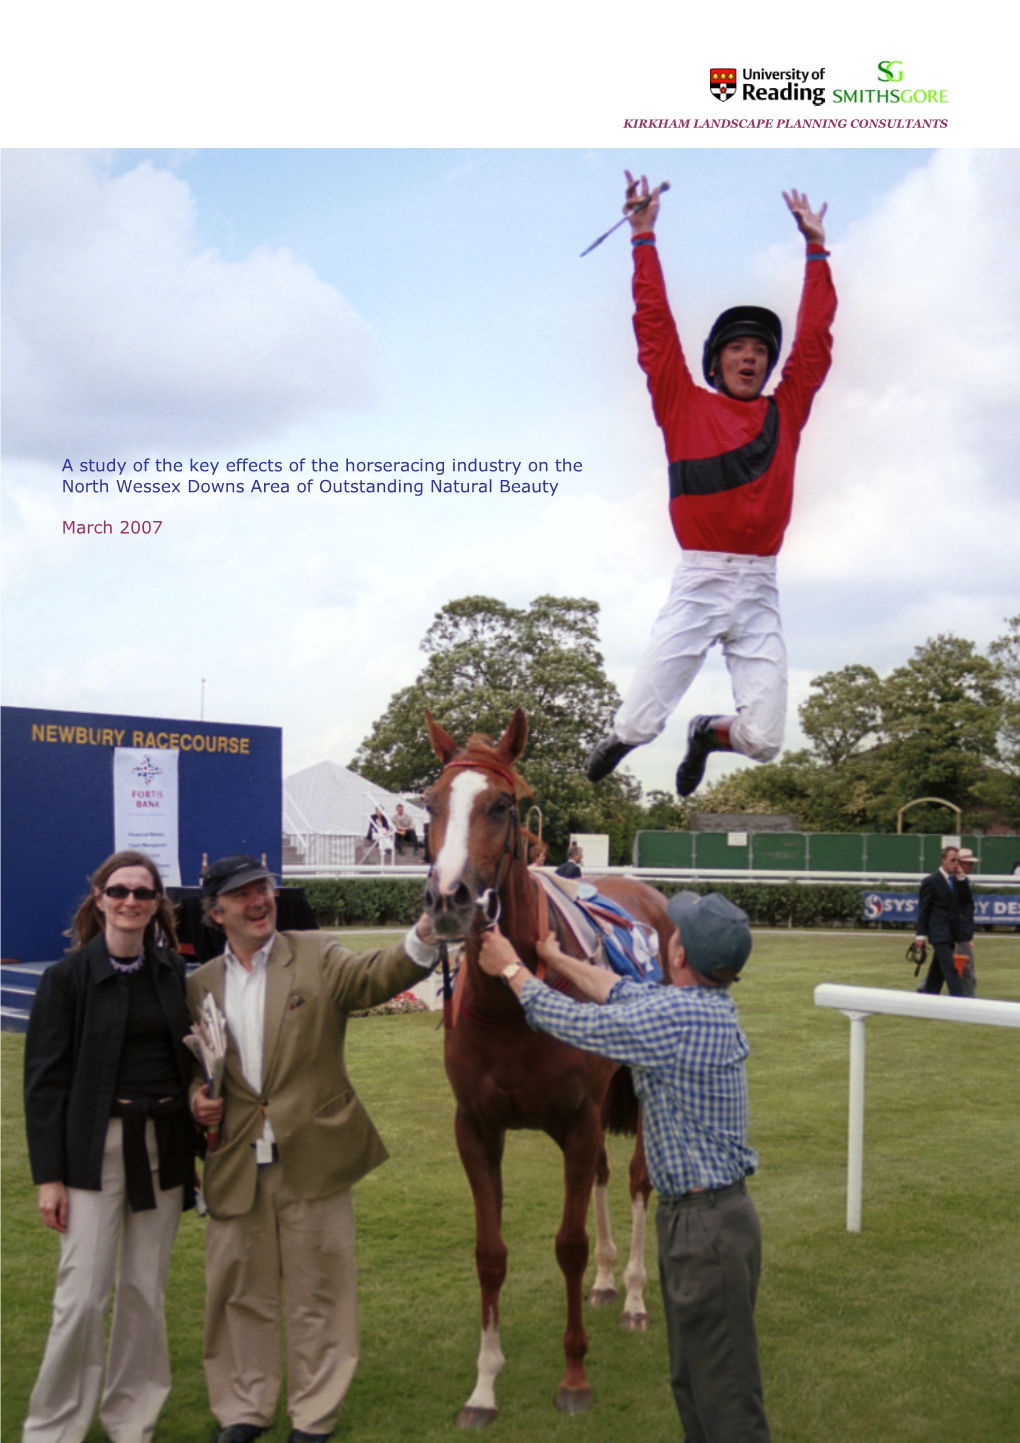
(723, 83)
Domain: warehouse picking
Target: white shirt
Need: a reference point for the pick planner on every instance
(244, 1005)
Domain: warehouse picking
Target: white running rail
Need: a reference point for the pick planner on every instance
(860, 1003)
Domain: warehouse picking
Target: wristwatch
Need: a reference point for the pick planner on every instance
(509, 973)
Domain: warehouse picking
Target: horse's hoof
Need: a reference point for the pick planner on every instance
(602, 1297)
(472, 1417)
(634, 1322)
(573, 1400)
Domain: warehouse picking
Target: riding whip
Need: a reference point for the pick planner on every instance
(633, 210)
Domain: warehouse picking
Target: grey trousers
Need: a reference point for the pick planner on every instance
(709, 1265)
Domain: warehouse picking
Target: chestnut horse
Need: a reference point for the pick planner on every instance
(502, 1073)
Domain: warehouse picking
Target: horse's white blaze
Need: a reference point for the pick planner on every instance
(605, 1248)
(453, 855)
(634, 1274)
(490, 1364)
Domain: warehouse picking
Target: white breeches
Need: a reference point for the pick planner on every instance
(715, 597)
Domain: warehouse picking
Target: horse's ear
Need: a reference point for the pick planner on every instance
(443, 744)
(514, 739)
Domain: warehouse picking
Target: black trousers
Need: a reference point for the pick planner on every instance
(943, 969)
(709, 1265)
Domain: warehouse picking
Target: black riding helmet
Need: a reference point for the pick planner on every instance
(755, 321)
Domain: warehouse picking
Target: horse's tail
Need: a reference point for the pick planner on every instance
(620, 1104)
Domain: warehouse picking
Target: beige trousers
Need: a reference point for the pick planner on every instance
(70, 1381)
(290, 1255)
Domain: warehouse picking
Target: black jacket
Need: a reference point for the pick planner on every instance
(72, 1055)
(938, 910)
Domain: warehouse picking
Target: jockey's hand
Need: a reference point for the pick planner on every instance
(642, 217)
(809, 222)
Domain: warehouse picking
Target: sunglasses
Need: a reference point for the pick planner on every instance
(143, 894)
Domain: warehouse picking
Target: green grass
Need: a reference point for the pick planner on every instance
(904, 1333)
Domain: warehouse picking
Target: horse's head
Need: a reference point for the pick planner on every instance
(475, 829)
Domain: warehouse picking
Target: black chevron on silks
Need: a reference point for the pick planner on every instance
(709, 475)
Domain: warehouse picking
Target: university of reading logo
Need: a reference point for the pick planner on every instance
(792, 85)
(723, 83)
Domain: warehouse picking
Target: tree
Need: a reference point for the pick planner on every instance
(941, 713)
(844, 712)
(486, 658)
(999, 789)
(1005, 653)
(931, 728)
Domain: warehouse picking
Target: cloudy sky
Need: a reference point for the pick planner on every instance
(431, 305)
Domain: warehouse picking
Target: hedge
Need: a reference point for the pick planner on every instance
(363, 901)
(379, 901)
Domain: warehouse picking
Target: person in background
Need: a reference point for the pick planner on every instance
(938, 921)
(403, 827)
(572, 866)
(965, 864)
(112, 1148)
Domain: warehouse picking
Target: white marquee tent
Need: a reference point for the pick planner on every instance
(326, 811)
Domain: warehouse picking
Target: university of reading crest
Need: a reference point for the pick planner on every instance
(723, 83)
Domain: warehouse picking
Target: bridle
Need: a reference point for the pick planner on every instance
(488, 902)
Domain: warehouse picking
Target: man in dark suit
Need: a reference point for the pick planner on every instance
(294, 1139)
(938, 921)
(572, 866)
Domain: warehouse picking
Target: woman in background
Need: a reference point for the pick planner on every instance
(111, 1144)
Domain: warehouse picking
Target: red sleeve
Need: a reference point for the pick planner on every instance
(659, 352)
(811, 356)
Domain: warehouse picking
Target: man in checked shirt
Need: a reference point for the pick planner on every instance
(686, 1053)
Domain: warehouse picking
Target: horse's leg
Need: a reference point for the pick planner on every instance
(635, 1314)
(603, 1289)
(481, 1154)
(580, 1144)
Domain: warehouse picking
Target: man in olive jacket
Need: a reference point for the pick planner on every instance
(294, 1138)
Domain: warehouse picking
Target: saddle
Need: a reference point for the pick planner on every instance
(606, 933)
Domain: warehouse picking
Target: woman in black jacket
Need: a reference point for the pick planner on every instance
(111, 1145)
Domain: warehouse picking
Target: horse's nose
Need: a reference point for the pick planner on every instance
(437, 902)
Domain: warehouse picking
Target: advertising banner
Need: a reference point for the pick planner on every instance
(989, 910)
(145, 807)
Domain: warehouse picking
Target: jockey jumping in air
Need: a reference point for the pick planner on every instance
(731, 453)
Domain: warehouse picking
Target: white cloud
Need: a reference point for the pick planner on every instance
(903, 471)
(122, 333)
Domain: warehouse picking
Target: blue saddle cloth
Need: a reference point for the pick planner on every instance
(631, 947)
